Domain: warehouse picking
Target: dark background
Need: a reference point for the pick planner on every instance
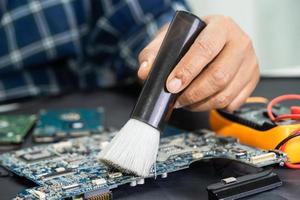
(186, 184)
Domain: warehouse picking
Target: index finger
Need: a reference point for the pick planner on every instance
(148, 54)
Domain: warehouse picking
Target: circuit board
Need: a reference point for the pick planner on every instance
(13, 128)
(54, 125)
(71, 169)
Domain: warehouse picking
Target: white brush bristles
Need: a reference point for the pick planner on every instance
(133, 149)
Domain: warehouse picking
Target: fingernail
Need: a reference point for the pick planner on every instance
(144, 64)
(177, 105)
(174, 85)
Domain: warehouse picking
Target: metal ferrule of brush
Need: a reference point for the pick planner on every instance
(155, 103)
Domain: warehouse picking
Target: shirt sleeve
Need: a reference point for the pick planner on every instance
(120, 34)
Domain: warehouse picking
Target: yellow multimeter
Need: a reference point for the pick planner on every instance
(252, 126)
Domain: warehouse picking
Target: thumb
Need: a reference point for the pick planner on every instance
(148, 54)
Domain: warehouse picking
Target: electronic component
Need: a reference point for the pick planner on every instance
(229, 180)
(71, 186)
(263, 158)
(13, 128)
(72, 168)
(115, 175)
(99, 181)
(100, 194)
(38, 194)
(37, 155)
(54, 125)
(235, 188)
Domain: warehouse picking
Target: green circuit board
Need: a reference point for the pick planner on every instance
(13, 128)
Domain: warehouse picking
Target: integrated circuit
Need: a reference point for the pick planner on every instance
(54, 125)
(13, 128)
(36, 155)
(72, 169)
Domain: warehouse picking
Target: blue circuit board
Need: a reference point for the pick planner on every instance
(72, 170)
(54, 125)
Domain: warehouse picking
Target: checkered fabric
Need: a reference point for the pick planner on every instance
(51, 46)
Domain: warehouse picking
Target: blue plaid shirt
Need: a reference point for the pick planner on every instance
(51, 46)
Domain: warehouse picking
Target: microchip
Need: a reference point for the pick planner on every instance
(54, 125)
(36, 155)
(13, 128)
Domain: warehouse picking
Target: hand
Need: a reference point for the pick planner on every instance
(220, 70)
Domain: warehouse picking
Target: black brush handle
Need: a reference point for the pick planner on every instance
(155, 103)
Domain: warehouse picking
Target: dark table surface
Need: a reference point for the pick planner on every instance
(187, 184)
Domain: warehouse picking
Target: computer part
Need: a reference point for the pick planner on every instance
(54, 125)
(72, 170)
(13, 128)
(232, 188)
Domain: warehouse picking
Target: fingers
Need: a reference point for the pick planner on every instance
(205, 48)
(213, 79)
(219, 70)
(236, 93)
(242, 97)
(226, 99)
(148, 54)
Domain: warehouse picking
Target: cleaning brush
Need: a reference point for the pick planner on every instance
(134, 148)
